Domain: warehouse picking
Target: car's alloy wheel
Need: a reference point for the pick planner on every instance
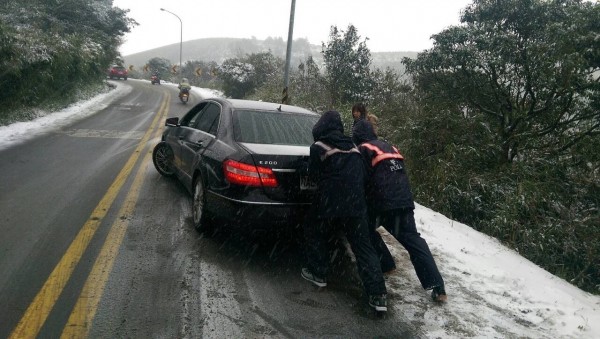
(201, 220)
(162, 157)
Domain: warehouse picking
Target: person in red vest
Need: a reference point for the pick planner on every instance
(339, 205)
(390, 204)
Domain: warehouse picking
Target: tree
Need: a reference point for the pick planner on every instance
(242, 76)
(528, 68)
(391, 100)
(347, 63)
(509, 117)
(237, 78)
(160, 66)
(200, 73)
(53, 49)
(266, 66)
(308, 86)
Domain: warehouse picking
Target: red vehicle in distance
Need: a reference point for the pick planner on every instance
(117, 72)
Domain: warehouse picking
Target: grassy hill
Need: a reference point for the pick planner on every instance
(220, 49)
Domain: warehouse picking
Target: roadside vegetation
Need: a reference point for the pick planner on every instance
(55, 52)
(499, 121)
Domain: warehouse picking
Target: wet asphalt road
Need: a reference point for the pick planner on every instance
(95, 243)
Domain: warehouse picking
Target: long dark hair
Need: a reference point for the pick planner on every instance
(361, 108)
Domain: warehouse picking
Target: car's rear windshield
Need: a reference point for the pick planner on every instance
(278, 128)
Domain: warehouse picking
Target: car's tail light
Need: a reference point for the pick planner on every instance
(249, 175)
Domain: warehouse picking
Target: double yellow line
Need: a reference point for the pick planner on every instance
(80, 321)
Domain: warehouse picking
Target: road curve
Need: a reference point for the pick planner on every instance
(97, 244)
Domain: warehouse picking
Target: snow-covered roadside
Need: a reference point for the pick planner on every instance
(493, 291)
(49, 122)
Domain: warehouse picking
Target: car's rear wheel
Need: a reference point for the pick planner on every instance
(162, 157)
(202, 222)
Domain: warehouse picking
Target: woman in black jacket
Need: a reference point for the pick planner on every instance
(338, 169)
(390, 204)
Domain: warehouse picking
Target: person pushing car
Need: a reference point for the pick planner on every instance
(390, 204)
(339, 205)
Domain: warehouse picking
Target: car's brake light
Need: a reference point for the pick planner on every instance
(249, 175)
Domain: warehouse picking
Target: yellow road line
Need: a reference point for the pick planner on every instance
(80, 320)
(36, 314)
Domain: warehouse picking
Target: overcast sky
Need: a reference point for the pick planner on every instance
(389, 25)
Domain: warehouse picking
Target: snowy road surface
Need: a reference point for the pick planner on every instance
(223, 286)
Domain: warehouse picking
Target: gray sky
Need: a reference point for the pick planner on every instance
(390, 25)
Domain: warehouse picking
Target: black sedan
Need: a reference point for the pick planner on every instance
(243, 161)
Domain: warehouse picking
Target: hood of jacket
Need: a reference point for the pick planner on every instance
(363, 131)
(330, 130)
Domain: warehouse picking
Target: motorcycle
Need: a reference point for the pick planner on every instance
(184, 95)
(154, 80)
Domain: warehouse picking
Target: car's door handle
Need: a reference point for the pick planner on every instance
(199, 143)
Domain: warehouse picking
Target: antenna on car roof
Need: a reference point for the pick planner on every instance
(279, 108)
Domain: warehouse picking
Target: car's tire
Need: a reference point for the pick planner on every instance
(162, 157)
(200, 217)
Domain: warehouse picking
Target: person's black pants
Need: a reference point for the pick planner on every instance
(320, 233)
(400, 223)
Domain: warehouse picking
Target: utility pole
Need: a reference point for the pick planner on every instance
(288, 56)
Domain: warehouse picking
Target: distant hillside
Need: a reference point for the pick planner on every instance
(220, 49)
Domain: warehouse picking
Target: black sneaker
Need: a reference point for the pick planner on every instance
(378, 302)
(308, 275)
(439, 294)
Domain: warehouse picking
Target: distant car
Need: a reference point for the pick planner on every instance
(242, 161)
(117, 72)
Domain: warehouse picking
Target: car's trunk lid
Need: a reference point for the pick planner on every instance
(290, 166)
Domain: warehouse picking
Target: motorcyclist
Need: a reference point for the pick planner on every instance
(155, 78)
(184, 85)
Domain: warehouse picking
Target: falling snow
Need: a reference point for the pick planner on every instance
(493, 291)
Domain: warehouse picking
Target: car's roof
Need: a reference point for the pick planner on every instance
(237, 104)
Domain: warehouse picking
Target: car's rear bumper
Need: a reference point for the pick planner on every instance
(261, 215)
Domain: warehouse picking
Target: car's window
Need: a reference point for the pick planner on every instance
(192, 116)
(274, 127)
(209, 119)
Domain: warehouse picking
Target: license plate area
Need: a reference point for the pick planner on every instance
(306, 183)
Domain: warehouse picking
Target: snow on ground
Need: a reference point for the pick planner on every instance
(47, 123)
(493, 292)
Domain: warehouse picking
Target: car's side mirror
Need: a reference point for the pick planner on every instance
(173, 122)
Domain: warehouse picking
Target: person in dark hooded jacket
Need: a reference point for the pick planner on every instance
(390, 204)
(338, 169)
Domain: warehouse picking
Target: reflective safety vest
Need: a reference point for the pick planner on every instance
(331, 150)
(381, 155)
